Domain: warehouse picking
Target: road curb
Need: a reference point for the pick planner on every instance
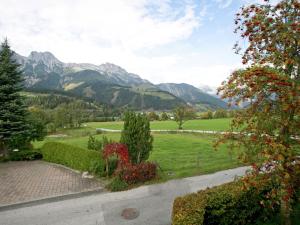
(51, 199)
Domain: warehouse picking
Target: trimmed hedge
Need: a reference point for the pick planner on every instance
(73, 157)
(25, 155)
(222, 205)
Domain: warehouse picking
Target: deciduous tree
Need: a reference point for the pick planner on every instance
(153, 116)
(271, 84)
(182, 114)
(164, 116)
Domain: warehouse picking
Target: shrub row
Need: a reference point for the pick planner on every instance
(138, 173)
(222, 205)
(73, 157)
(25, 155)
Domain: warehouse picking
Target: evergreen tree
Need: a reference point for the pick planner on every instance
(137, 136)
(14, 129)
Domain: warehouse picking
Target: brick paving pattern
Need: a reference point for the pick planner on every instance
(26, 181)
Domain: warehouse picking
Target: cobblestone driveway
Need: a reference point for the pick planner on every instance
(26, 181)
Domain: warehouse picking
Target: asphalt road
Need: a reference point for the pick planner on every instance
(153, 203)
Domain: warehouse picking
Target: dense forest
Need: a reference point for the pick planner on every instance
(61, 111)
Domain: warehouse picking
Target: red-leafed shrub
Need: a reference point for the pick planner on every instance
(127, 172)
(138, 173)
(121, 151)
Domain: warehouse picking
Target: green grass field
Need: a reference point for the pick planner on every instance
(90, 128)
(178, 155)
(214, 125)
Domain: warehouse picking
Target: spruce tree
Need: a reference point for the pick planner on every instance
(14, 129)
(136, 135)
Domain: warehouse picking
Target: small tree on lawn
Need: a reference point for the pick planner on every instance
(272, 87)
(182, 114)
(153, 116)
(14, 127)
(136, 134)
(220, 113)
(164, 116)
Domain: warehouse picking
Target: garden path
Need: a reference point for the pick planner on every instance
(35, 180)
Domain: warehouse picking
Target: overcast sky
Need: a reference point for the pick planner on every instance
(161, 40)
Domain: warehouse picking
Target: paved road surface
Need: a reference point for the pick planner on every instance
(154, 203)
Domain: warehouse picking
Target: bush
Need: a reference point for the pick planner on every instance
(136, 135)
(222, 205)
(73, 157)
(94, 144)
(138, 173)
(112, 166)
(96, 167)
(25, 155)
(98, 145)
(117, 185)
(4, 158)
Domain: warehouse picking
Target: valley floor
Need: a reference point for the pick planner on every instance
(178, 155)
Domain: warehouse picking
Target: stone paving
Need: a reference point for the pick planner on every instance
(27, 181)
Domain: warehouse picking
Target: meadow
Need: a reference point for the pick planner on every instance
(209, 124)
(178, 155)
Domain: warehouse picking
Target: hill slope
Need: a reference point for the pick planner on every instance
(193, 95)
(108, 83)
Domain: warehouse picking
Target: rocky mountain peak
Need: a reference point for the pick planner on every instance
(112, 68)
(46, 58)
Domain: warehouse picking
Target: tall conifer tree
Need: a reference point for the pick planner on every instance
(14, 129)
(137, 136)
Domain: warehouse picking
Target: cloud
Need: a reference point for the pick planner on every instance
(212, 75)
(125, 24)
(118, 31)
(223, 3)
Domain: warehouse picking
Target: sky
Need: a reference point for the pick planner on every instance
(178, 41)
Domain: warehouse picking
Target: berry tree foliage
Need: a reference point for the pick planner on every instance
(273, 34)
(270, 125)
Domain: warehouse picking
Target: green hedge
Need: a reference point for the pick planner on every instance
(73, 157)
(222, 205)
(25, 155)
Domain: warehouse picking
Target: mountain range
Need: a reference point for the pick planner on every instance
(109, 84)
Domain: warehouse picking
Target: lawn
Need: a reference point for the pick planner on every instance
(178, 155)
(213, 124)
(210, 125)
